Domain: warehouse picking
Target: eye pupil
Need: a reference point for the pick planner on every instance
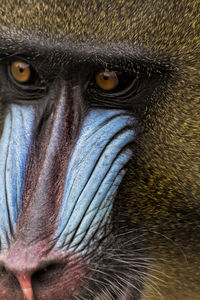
(105, 76)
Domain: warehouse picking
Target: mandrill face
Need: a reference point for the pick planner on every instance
(99, 150)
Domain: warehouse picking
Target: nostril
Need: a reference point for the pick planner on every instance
(3, 271)
(9, 282)
(47, 275)
(7, 275)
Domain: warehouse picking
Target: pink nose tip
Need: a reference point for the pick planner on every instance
(26, 286)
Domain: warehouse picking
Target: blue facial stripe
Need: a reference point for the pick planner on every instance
(14, 144)
(94, 216)
(96, 137)
(101, 217)
(95, 193)
(94, 173)
(104, 167)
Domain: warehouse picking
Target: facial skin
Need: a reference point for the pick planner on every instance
(99, 186)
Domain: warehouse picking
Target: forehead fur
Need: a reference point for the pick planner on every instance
(146, 23)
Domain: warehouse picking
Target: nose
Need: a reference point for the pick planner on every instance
(22, 262)
(39, 272)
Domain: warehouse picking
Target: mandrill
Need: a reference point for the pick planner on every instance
(99, 150)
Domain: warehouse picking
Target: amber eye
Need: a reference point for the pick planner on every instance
(21, 71)
(107, 80)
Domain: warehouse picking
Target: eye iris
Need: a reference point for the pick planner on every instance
(21, 71)
(107, 80)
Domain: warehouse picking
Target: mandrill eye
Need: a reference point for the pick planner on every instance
(107, 80)
(21, 71)
(25, 82)
(114, 89)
